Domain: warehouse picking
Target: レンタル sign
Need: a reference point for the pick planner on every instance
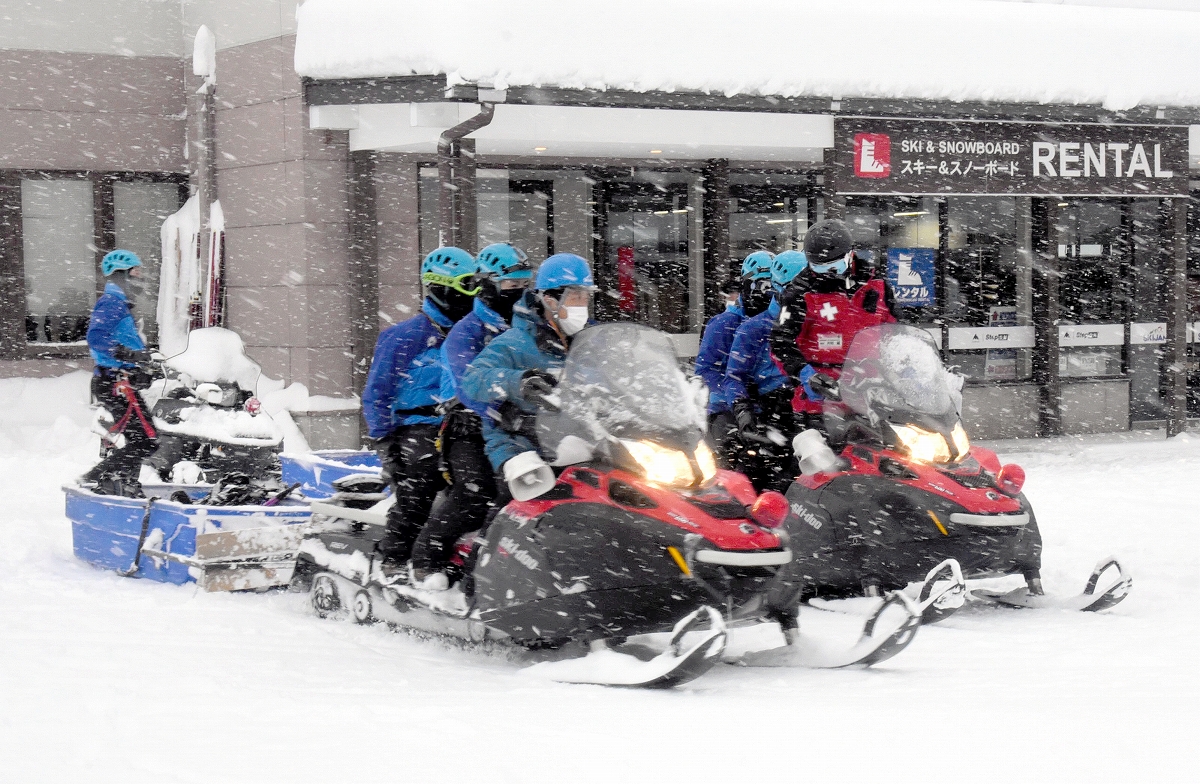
(913, 157)
(910, 271)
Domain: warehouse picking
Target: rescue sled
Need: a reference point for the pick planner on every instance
(223, 548)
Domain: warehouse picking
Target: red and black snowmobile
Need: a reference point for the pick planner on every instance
(640, 534)
(909, 502)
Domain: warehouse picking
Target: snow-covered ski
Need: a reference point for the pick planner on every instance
(886, 632)
(675, 666)
(937, 597)
(1090, 600)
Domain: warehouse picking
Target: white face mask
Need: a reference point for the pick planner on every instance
(576, 320)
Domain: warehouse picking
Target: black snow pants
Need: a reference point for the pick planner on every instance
(472, 490)
(410, 460)
(131, 418)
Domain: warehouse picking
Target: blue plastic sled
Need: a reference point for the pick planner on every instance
(222, 547)
(316, 471)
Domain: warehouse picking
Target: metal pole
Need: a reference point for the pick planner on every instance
(1176, 348)
(716, 234)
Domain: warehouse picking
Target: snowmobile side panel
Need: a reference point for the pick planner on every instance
(894, 533)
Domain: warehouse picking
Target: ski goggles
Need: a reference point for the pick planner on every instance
(843, 265)
(458, 283)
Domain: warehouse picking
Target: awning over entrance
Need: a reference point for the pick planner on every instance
(577, 131)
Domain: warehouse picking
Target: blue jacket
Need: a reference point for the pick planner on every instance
(494, 377)
(462, 345)
(750, 360)
(406, 375)
(713, 356)
(112, 324)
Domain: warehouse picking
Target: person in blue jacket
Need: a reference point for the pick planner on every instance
(518, 370)
(713, 356)
(503, 275)
(401, 397)
(760, 392)
(120, 355)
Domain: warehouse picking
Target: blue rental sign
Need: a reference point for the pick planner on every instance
(911, 273)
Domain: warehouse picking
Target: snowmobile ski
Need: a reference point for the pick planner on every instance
(675, 666)
(1090, 600)
(937, 597)
(882, 638)
(942, 592)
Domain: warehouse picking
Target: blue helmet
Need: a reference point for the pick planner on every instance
(757, 266)
(503, 262)
(563, 269)
(450, 267)
(786, 267)
(119, 260)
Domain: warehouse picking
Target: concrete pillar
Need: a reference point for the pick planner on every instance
(285, 191)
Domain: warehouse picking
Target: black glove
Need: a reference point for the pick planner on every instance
(536, 385)
(135, 356)
(825, 386)
(743, 414)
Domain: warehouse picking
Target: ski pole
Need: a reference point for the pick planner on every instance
(282, 494)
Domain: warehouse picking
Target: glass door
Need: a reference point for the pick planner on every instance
(644, 258)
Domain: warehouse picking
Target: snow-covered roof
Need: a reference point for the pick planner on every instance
(957, 50)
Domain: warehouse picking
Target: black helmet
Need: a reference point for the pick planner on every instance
(826, 241)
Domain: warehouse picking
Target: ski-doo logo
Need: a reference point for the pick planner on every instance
(509, 547)
(872, 155)
(806, 516)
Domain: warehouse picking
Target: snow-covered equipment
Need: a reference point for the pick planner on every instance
(206, 412)
(221, 547)
(641, 534)
(909, 501)
(317, 472)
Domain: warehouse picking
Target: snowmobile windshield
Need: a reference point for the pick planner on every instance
(622, 384)
(896, 368)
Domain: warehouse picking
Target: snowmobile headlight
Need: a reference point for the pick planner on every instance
(662, 465)
(962, 444)
(706, 461)
(923, 445)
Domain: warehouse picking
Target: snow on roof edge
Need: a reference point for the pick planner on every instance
(921, 50)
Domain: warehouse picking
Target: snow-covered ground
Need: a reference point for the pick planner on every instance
(106, 679)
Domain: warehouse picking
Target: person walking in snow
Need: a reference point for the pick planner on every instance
(400, 401)
(120, 355)
(503, 275)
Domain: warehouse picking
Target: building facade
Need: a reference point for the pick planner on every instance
(1044, 245)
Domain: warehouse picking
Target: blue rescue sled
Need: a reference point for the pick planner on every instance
(317, 471)
(222, 547)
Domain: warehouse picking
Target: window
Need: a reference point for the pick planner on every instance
(54, 229)
(57, 231)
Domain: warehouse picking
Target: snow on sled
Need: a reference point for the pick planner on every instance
(223, 548)
(317, 471)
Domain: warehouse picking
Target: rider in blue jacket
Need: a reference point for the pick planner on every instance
(518, 370)
(760, 392)
(401, 397)
(713, 357)
(503, 275)
(119, 351)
